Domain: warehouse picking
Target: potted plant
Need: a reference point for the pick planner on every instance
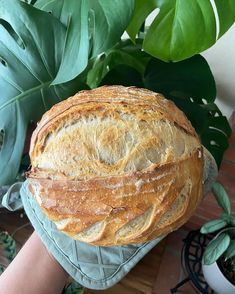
(218, 263)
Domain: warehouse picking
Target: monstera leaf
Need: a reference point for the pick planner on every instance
(182, 28)
(31, 48)
(92, 28)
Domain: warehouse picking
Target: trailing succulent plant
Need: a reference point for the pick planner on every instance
(222, 247)
(8, 246)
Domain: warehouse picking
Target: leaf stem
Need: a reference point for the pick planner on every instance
(25, 93)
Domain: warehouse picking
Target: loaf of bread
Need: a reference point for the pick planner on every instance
(116, 165)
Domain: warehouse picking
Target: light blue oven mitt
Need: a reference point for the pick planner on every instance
(93, 267)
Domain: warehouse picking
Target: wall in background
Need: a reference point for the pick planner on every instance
(221, 58)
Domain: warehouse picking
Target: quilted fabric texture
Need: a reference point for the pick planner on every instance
(93, 267)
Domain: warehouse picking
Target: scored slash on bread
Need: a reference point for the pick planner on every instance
(116, 165)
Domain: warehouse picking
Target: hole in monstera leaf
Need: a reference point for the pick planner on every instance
(3, 61)
(1, 138)
(218, 130)
(204, 101)
(151, 17)
(102, 56)
(213, 143)
(216, 113)
(12, 32)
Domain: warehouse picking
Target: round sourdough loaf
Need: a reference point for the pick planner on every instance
(116, 165)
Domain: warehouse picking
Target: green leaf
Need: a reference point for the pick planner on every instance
(124, 54)
(92, 28)
(9, 245)
(73, 288)
(230, 252)
(182, 28)
(123, 75)
(226, 217)
(232, 220)
(221, 197)
(74, 15)
(2, 268)
(190, 84)
(213, 226)
(226, 14)
(141, 11)
(216, 248)
(191, 78)
(215, 131)
(31, 48)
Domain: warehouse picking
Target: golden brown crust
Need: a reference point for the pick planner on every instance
(137, 97)
(107, 196)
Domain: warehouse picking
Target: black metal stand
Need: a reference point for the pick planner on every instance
(191, 257)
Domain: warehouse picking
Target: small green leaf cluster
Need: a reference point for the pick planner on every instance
(9, 247)
(224, 243)
(73, 288)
